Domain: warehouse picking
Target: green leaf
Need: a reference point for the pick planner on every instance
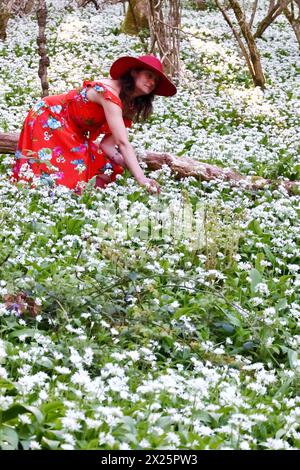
(204, 416)
(283, 389)
(92, 445)
(256, 278)
(36, 413)
(28, 332)
(52, 444)
(225, 328)
(259, 258)
(281, 304)
(183, 311)
(129, 423)
(269, 254)
(52, 407)
(91, 184)
(164, 422)
(249, 346)
(293, 358)
(45, 362)
(255, 227)
(233, 319)
(280, 433)
(7, 384)
(133, 276)
(15, 410)
(9, 438)
(25, 443)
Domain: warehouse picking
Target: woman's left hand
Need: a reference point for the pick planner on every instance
(152, 186)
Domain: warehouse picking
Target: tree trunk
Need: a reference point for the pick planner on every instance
(258, 75)
(136, 18)
(200, 4)
(250, 53)
(41, 41)
(4, 17)
(275, 9)
(271, 5)
(164, 22)
(6, 7)
(9, 8)
(292, 17)
(28, 6)
(253, 13)
(182, 168)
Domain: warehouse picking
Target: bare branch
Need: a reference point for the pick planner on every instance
(271, 16)
(254, 8)
(164, 22)
(291, 16)
(237, 37)
(251, 54)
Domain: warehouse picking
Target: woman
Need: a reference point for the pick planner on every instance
(57, 139)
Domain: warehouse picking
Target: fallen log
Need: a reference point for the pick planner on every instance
(184, 167)
(8, 142)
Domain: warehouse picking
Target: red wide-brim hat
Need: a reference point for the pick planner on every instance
(123, 64)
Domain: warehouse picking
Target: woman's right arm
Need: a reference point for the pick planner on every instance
(108, 146)
(113, 114)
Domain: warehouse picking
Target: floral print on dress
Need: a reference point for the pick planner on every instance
(80, 148)
(39, 106)
(45, 154)
(53, 123)
(56, 109)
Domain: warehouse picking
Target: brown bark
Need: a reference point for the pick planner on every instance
(41, 42)
(183, 167)
(251, 55)
(275, 9)
(4, 17)
(254, 9)
(292, 17)
(237, 37)
(271, 5)
(200, 4)
(164, 22)
(6, 7)
(28, 6)
(256, 71)
(8, 142)
(136, 18)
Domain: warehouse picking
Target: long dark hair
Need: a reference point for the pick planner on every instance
(139, 108)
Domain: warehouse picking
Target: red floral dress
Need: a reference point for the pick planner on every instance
(56, 142)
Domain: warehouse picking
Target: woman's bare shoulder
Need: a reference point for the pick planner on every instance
(113, 85)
